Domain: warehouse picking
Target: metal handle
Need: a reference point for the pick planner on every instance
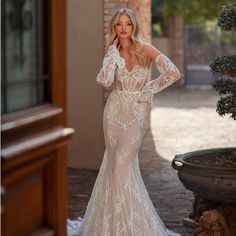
(178, 159)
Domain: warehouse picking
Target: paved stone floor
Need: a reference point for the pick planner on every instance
(182, 120)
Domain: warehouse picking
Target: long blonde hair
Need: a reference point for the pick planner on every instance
(136, 37)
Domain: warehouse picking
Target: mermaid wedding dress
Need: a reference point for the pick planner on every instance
(120, 204)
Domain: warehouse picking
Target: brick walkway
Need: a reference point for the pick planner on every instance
(182, 120)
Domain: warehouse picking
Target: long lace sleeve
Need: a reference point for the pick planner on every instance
(105, 76)
(169, 74)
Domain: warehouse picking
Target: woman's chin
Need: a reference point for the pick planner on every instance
(125, 36)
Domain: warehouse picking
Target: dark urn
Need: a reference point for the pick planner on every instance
(210, 173)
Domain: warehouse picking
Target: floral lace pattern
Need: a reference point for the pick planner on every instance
(119, 203)
(169, 74)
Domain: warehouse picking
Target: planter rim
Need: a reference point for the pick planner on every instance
(181, 158)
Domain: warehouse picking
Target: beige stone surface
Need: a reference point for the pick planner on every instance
(185, 120)
(85, 43)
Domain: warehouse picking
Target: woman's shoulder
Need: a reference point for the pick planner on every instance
(150, 51)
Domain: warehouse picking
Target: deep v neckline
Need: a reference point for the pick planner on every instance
(122, 58)
(135, 66)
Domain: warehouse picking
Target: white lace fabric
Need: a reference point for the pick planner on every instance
(119, 203)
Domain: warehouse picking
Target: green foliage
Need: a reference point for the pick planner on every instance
(225, 86)
(227, 17)
(194, 11)
(226, 105)
(224, 65)
(156, 30)
(227, 102)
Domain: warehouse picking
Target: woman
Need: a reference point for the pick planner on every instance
(119, 204)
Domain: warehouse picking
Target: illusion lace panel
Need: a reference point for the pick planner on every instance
(169, 74)
(106, 75)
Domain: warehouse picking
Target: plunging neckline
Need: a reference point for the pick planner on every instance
(135, 66)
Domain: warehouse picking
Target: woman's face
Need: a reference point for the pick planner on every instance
(124, 27)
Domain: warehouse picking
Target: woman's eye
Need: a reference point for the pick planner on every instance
(128, 24)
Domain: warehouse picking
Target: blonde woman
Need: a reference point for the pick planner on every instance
(120, 204)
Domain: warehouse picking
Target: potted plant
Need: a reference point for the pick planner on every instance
(211, 173)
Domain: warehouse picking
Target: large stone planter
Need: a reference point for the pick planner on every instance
(211, 182)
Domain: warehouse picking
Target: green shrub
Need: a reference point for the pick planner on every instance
(225, 66)
(227, 17)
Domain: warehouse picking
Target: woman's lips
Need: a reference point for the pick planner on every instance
(123, 32)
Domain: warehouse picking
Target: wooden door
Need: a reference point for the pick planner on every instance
(34, 131)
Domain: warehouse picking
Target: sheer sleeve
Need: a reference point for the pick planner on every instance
(169, 74)
(105, 76)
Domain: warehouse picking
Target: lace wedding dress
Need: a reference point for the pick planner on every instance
(120, 204)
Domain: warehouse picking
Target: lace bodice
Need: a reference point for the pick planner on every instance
(130, 81)
(114, 72)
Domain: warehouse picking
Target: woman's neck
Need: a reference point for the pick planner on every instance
(125, 43)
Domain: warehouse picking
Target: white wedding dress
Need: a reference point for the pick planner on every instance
(120, 204)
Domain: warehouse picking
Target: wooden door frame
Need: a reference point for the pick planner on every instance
(37, 124)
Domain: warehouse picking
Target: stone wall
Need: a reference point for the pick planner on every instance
(143, 11)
